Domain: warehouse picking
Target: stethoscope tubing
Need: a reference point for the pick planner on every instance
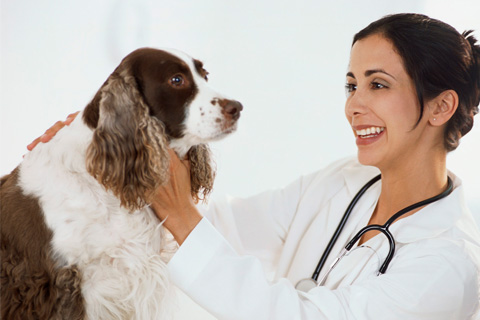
(382, 228)
(341, 225)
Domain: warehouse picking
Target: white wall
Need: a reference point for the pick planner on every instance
(284, 60)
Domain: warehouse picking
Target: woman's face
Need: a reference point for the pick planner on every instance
(382, 105)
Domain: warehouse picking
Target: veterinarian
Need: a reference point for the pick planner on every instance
(413, 88)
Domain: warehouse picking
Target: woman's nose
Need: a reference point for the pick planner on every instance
(355, 104)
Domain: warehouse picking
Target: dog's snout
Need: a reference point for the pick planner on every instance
(231, 108)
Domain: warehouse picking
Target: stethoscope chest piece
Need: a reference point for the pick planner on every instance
(306, 285)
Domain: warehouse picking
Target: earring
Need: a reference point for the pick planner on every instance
(434, 119)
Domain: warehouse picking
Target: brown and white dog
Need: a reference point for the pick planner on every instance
(78, 239)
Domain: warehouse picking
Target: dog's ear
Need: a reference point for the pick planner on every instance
(202, 171)
(128, 153)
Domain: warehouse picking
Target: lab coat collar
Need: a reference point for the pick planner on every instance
(428, 222)
(434, 219)
(356, 175)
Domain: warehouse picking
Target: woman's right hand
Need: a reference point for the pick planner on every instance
(52, 131)
(173, 203)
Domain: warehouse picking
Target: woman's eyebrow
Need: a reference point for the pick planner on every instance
(370, 72)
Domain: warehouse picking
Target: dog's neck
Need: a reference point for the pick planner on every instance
(180, 148)
(182, 145)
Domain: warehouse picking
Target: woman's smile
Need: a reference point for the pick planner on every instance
(367, 134)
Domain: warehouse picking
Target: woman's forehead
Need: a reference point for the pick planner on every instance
(375, 52)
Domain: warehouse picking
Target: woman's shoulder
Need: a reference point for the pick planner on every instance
(455, 262)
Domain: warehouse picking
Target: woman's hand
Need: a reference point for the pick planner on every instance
(50, 133)
(173, 202)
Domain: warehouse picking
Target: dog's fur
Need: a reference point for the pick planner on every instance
(78, 239)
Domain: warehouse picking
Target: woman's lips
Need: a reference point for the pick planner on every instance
(368, 134)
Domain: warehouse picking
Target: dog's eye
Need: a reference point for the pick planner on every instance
(177, 80)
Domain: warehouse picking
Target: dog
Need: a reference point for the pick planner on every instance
(78, 239)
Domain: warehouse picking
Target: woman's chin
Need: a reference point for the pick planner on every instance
(367, 159)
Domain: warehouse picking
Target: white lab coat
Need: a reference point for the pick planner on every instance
(246, 266)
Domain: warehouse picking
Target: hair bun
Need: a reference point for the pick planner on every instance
(475, 65)
(472, 41)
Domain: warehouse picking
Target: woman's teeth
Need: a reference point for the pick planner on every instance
(369, 132)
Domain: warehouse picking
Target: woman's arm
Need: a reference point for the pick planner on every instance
(420, 285)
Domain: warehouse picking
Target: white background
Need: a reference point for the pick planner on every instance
(284, 60)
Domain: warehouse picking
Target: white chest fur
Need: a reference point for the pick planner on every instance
(118, 253)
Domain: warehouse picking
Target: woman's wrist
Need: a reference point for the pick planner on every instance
(180, 222)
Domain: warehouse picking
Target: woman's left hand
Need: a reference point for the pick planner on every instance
(173, 202)
(52, 131)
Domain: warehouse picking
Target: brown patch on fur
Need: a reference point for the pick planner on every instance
(199, 68)
(92, 111)
(32, 286)
(151, 71)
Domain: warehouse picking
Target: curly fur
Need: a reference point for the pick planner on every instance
(202, 172)
(128, 153)
(42, 292)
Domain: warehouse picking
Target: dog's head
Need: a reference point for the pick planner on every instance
(153, 99)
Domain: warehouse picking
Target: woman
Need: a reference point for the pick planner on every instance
(413, 87)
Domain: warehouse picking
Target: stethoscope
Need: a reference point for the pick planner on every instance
(309, 283)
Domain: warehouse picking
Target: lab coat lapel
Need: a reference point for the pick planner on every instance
(356, 176)
(313, 232)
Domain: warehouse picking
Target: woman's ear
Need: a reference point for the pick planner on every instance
(128, 153)
(442, 107)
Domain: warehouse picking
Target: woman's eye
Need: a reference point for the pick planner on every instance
(377, 85)
(349, 88)
(177, 81)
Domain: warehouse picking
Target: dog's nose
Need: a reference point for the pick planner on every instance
(231, 108)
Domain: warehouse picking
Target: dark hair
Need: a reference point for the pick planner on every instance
(437, 58)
